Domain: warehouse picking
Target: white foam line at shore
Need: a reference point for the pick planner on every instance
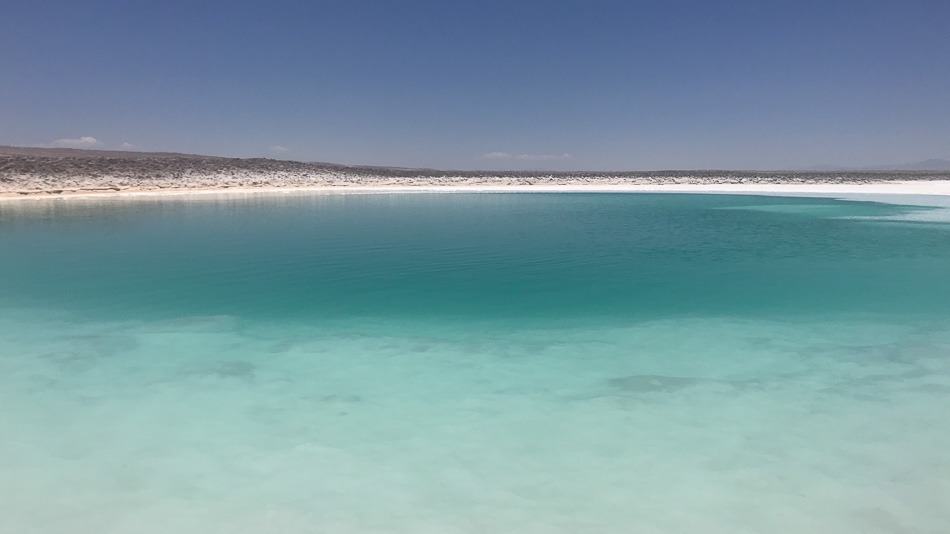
(918, 192)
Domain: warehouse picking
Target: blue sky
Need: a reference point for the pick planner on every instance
(532, 84)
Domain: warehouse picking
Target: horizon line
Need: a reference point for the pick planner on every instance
(118, 152)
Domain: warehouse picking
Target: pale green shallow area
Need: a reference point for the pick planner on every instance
(533, 363)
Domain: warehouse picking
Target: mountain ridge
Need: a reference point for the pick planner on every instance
(932, 164)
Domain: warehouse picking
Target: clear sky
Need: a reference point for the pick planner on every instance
(486, 84)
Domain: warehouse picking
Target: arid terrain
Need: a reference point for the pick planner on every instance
(54, 171)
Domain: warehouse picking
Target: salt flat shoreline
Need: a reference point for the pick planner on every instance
(31, 173)
(892, 187)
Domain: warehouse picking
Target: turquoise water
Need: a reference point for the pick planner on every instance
(531, 363)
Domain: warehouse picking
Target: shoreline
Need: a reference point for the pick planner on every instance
(908, 187)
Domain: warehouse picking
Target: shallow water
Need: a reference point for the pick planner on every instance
(474, 363)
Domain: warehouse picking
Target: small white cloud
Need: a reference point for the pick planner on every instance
(526, 157)
(85, 141)
(279, 149)
(126, 145)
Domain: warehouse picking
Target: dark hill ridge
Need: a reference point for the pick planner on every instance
(926, 165)
(34, 170)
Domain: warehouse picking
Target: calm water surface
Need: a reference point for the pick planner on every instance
(532, 363)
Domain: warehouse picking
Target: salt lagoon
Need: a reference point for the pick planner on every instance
(491, 362)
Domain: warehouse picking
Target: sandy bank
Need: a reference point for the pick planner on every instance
(910, 187)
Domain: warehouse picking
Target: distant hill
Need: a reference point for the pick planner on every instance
(25, 169)
(933, 164)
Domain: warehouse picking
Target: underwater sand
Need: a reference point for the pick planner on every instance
(533, 363)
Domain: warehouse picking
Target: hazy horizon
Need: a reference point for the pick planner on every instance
(572, 86)
(931, 164)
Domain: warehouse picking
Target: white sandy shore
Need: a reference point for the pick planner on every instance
(910, 187)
